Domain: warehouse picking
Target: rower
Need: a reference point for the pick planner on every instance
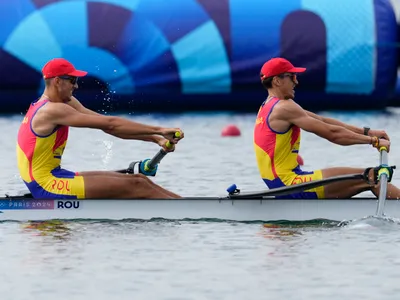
(43, 136)
(277, 136)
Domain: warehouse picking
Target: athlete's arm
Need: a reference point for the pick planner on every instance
(290, 111)
(63, 114)
(75, 103)
(332, 121)
(372, 132)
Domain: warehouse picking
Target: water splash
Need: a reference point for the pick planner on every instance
(371, 222)
(106, 157)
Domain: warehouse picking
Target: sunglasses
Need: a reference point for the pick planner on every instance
(72, 79)
(292, 76)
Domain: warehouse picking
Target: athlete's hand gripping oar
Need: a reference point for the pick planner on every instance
(234, 192)
(148, 167)
(383, 177)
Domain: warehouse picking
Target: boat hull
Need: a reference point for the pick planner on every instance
(195, 208)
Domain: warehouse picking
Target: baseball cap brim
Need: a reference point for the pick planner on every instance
(297, 70)
(77, 73)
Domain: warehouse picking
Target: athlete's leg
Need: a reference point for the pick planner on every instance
(64, 184)
(121, 175)
(123, 187)
(350, 188)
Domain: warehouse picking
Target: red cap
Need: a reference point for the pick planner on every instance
(59, 67)
(278, 65)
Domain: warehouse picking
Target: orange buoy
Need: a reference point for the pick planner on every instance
(300, 160)
(230, 130)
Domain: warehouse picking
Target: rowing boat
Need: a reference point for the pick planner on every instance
(263, 209)
(237, 206)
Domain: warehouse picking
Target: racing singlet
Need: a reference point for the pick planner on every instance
(39, 161)
(276, 154)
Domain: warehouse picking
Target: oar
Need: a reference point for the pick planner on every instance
(293, 188)
(149, 167)
(383, 177)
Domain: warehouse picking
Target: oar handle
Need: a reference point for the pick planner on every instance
(148, 167)
(152, 163)
(383, 177)
(383, 161)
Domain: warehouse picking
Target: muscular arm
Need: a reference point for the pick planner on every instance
(335, 122)
(291, 112)
(146, 137)
(63, 114)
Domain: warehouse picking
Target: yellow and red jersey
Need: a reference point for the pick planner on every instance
(276, 154)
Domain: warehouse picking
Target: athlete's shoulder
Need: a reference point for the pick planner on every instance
(288, 102)
(56, 109)
(55, 106)
(268, 104)
(284, 106)
(288, 110)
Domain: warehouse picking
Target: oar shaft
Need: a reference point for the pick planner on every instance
(148, 167)
(383, 158)
(383, 179)
(152, 163)
(296, 188)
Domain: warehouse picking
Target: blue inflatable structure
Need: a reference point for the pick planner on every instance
(200, 54)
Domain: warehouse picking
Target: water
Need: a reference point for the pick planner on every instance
(200, 260)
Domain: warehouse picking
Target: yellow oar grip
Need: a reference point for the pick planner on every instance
(382, 149)
(383, 171)
(177, 135)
